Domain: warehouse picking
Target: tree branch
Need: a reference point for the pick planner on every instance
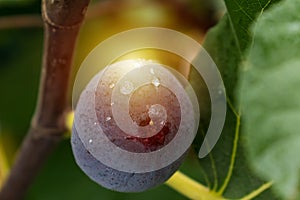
(62, 20)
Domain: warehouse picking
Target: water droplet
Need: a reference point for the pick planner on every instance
(111, 85)
(90, 141)
(155, 82)
(151, 70)
(126, 88)
(95, 123)
(107, 118)
(157, 113)
(112, 103)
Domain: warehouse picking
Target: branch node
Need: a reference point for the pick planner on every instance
(57, 10)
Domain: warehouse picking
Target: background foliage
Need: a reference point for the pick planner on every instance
(256, 47)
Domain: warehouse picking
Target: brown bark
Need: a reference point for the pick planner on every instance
(62, 20)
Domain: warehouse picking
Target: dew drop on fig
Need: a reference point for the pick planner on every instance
(112, 85)
(155, 82)
(157, 113)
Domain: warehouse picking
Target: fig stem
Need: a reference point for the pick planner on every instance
(62, 21)
(191, 188)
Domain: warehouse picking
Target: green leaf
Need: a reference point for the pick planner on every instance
(226, 43)
(242, 181)
(241, 14)
(269, 91)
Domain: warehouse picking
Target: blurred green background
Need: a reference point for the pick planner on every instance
(21, 44)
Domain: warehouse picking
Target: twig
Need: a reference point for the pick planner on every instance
(21, 21)
(101, 8)
(62, 20)
(203, 20)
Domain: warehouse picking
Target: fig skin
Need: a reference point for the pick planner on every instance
(118, 180)
(93, 108)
